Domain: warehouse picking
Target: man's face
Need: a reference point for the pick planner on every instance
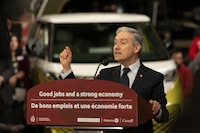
(178, 58)
(124, 51)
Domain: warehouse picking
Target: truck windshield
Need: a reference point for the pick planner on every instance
(91, 43)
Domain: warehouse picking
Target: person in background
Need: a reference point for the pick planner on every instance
(14, 28)
(38, 42)
(131, 71)
(168, 41)
(9, 26)
(20, 64)
(195, 64)
(184, 72)
(20, 83)
(194, 46)
(26, 20)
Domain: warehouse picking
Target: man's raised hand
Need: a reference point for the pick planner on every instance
(66, 58)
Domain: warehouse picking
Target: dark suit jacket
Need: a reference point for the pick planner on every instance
(148, 84)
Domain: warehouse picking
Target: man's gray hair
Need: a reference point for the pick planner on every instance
(137, 37)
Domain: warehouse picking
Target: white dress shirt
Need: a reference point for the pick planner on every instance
(133, 72)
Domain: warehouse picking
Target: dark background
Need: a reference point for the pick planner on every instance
(180, 18)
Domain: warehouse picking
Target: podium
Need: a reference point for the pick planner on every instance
(84, 104)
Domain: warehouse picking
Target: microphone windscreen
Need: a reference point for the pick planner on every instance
(105, 62)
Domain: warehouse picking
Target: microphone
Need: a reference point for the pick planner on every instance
(104, 62)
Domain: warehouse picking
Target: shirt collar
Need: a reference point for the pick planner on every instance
(134, 67)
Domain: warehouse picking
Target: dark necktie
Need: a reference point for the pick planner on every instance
(124, 78)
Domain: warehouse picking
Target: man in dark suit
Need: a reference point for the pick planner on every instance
(144, 81)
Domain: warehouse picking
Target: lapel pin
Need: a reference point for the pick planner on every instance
(141, 75)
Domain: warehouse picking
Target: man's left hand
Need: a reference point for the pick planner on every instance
(155, 106)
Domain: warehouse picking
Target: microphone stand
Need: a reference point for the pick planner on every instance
(96, 71)
(104, 62)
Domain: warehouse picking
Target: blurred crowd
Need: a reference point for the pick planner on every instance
(187, 64)
(188, 69)
(14, 74)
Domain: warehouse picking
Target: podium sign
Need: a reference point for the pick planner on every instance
(81, 102)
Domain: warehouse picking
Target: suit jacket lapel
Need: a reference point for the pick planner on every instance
(116, 74)
(139, 78)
